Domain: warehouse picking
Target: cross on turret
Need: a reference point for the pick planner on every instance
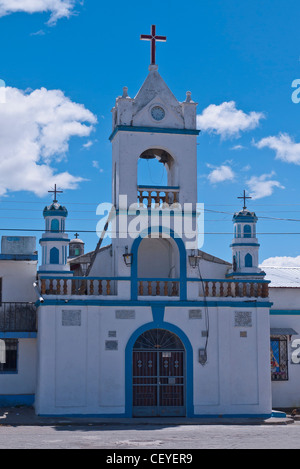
(55, 192)
(244, 197)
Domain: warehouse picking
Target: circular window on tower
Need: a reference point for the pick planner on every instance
(158, 113)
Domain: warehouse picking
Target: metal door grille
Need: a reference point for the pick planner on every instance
(158, 375)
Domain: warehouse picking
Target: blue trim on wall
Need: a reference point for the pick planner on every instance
(154, 186)
(234, 416)
(227, 280)
(159, 324)
(18, 257)
(55, 213)
(81, 278)
(66, 240)
(199, 416)
(182, 260)
(175, 304)
(17, 400)
(244, 244)
(237, 274)
(158, 130)
(244, 219)
(18, 335)
(61, 272)
(285, 312)
(158, 312)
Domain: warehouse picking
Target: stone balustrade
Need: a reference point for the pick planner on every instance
(158, 288)
(206, 288)
(78, 286)
(233, 289)
(157, 196)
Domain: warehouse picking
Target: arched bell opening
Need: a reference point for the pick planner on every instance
(157, 178)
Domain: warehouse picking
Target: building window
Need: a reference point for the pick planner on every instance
(248, 260)
(55, 226)
(54, 256)
(247, 231)
(279, 358)
(8, 355)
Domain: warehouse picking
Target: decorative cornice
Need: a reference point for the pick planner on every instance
(158, 130)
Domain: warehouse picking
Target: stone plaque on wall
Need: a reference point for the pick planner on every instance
(125, 314)
(195, 314)
(111, 345)
(243, 319)
(71, 317)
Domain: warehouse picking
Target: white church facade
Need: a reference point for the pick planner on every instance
(154, 326)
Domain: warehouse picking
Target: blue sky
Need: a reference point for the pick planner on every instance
(63, 76)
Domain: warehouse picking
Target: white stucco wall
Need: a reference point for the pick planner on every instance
(77, 375)
(24, 381)
(17, 280)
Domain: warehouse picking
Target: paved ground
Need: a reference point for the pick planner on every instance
(20, 428)
(181, 438)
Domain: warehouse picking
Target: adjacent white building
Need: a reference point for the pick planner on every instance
(18, 327)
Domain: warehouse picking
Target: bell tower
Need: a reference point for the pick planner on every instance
(152, 125)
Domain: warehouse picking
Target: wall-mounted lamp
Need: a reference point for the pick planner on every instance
(127, 257)
(194, 260)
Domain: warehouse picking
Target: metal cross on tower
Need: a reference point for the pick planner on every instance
(55, 192)
(76, 235)
(153, 38)
(244, 197)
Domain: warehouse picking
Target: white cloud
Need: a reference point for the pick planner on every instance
(35, 130)
(226, 120)
(220, 174)
(96, 165)
(88, 144)
(285, 147)
(57, 8)
(237, 147)
(283, 261)
(262, 186)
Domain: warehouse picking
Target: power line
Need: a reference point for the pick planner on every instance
(199, 233)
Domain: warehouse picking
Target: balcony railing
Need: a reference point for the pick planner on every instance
(123, 287)
(78, 286)
(233, 289)
(157, 196)
(149, 287)
(18, 317)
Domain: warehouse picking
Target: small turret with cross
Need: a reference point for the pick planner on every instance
(54, 242)
(245, 247)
